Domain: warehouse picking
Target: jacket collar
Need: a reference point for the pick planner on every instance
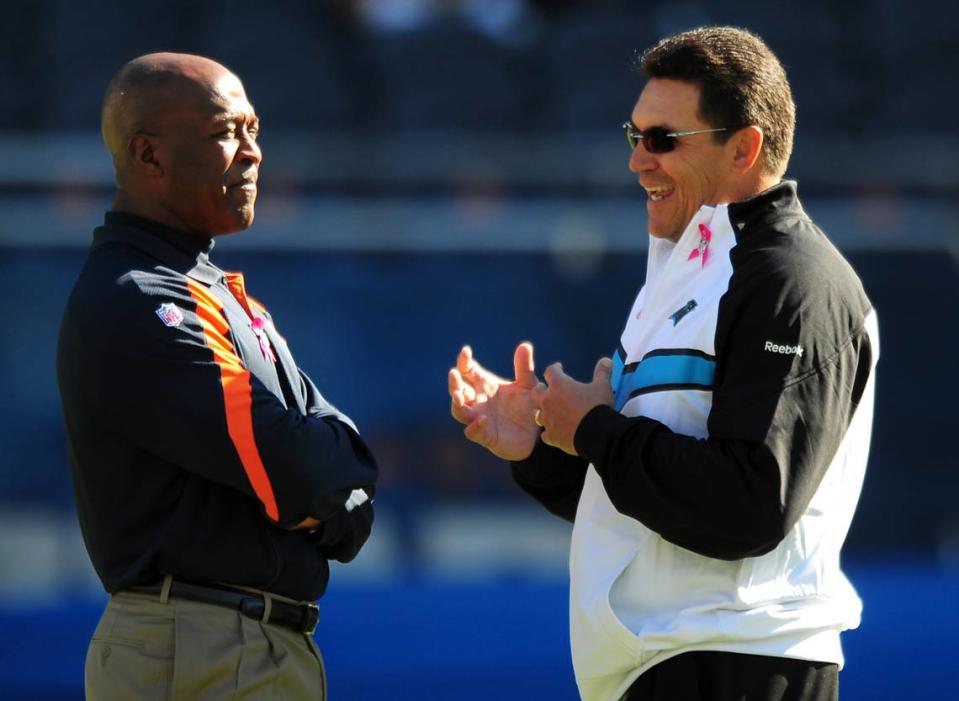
(779, 201)
(179, 250)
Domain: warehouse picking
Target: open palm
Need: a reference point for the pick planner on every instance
(498, 413)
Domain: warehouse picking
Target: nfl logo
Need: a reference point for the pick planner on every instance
(170, 314)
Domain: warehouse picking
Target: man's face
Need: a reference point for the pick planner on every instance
(213, 158)
(694, 173)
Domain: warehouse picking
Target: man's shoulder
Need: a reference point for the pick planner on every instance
(127, 270)
(788, 249)
(791, 272)
(119, 284)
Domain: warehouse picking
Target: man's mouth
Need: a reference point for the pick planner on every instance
(246, 181)
(658, 193)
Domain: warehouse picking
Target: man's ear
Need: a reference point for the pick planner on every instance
(143, 150)
(747, 144)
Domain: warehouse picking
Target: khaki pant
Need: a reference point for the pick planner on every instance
(145, 650)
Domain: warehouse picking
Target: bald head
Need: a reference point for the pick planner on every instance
(182, 135)
(151, 87)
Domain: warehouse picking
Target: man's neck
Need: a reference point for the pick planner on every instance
(143, 207)
(753, 187)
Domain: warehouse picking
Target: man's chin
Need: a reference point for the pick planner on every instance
(242, 220)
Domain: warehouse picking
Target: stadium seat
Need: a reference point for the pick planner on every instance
(88, 42)
(447, 76)
(588, 59)
(296, 60)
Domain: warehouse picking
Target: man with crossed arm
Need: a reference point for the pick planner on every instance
(213, 481)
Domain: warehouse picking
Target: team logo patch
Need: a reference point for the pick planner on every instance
(170, 314)
(678, 315)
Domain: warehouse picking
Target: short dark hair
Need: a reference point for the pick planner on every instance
(741, 83)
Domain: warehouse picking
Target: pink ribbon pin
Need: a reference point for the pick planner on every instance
(258, 325)
(702, 250)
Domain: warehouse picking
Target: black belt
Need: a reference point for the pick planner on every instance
(299, 617)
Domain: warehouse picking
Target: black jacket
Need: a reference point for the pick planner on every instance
(776, 413)
(197, 444)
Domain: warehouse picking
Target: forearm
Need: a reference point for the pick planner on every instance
(554, 478)
(717, 498)
(314, 464)
(341, 536)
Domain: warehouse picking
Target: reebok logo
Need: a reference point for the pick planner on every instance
(784, 350)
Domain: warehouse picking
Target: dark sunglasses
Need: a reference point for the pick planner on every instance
(659, 139)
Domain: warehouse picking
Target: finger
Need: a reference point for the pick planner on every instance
(459, 389)
(523, 365)
(603, 370)
(553, 373)
(454, 381)
(478, 431)
(475, 375)
(456, 409)
(462, 412)
(538, 393)
(464, 361)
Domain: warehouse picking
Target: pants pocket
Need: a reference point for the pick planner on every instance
(130, 656)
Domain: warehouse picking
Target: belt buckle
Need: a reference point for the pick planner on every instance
(311, 617)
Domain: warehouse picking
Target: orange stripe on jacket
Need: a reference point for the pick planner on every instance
(237, 394)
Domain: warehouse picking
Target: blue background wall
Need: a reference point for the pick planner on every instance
(508, 641)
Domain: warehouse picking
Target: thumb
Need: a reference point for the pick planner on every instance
(603, 370)
(524, 366)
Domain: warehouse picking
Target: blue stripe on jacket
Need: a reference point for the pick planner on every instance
(658, 372)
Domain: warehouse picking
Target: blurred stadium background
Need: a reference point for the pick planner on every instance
(447, 171)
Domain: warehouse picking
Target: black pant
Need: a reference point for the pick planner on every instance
(727, 676)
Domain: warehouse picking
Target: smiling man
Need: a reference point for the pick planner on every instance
(712, 465)
(213, 481)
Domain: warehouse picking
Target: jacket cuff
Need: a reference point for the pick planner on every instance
(595, 431)
(540, 466)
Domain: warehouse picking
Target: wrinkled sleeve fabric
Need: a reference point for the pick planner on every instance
(553, 478)
(776, 421)
(344, 533)
(182, 392)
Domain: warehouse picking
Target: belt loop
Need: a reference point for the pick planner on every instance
(267, 607)
(165, 589)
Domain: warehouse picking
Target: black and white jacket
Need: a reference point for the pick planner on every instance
(711, 503)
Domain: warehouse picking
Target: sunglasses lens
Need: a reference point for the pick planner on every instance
(655, 139)
(658, 140)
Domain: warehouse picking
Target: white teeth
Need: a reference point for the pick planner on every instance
(658, 193)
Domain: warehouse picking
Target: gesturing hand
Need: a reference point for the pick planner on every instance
(498, 413)
(563, 402)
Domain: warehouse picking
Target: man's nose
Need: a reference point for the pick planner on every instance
(641, 160)
(249, 149)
